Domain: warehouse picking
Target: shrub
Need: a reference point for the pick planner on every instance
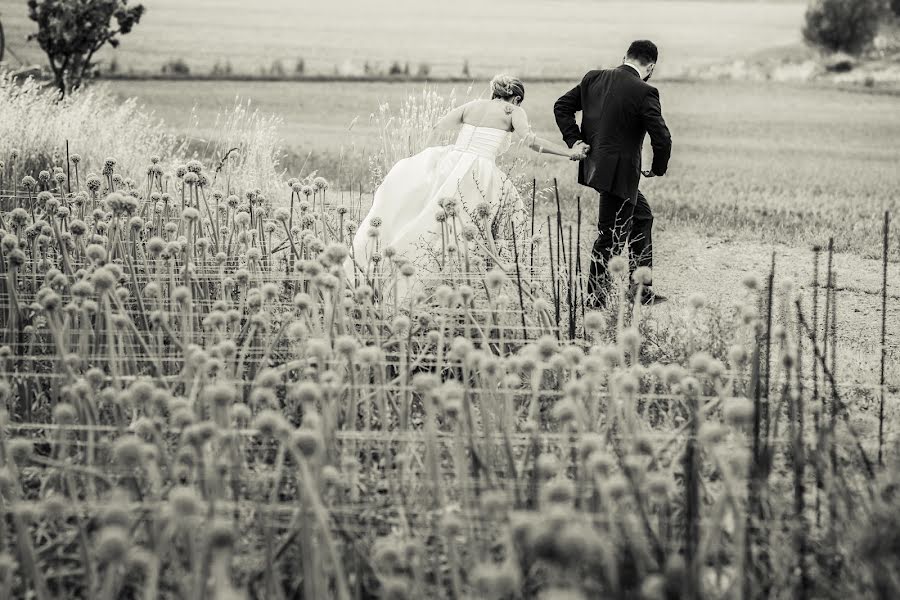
(277, 69)
(176, 67)
(843, 25)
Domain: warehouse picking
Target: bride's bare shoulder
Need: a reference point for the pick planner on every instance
(476, 105)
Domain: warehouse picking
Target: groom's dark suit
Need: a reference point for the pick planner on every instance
(618, 109)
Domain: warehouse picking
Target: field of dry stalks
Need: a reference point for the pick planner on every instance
(199, 402)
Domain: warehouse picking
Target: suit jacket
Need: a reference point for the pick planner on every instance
(618, 109)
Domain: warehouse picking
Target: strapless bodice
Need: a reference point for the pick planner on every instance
(486, 142)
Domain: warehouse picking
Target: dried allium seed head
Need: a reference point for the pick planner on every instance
(737, 355)
(547, 347)
(712, 433)
(643, 445)
(616, 487)
(600, 463)
(308, 442)
(305, 393)
(221, 535)
(346, 345)
(112, 544)
(220, 394)
(387, 556)
(701, 362)
(185, 502)
(127, 451)
(642, 276)
(494, 279)
(630, 339)
(749, 315)
(400, 325)
(20, 450)
(271, 423)
(738, 411)
(495, 503)
(594, 321)
(559, 490)
(116, 510)
(690, 387)
(331, 477)
(673, 374)
(547, 465)
(199, 434)
(618, 265)
(659, 485)
(779, 332)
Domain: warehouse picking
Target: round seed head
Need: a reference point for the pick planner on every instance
(185, 502)
(701, 362)
(308, 442)
(112, 544)
(642, 275)
(20, 450)
(594, 321)
(494, 279)
(618, 265)
(221, 535)
(737, 355)
(559, 490)
(547, 465)
(738, 411)
(127, 451)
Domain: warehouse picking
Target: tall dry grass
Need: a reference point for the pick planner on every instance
(94, 122)
(244, 144)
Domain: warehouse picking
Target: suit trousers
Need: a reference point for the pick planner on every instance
(621, 225)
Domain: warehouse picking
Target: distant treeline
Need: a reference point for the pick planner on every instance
(178, 69)
(324, 77)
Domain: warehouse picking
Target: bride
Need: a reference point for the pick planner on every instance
(426, 201)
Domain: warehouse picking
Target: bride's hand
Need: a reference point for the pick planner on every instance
(579, 151)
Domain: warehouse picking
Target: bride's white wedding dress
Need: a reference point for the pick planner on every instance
(415, 190)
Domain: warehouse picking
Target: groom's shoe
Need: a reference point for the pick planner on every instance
(650, 297)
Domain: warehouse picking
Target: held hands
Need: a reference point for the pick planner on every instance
(648, 174)
(579, 151)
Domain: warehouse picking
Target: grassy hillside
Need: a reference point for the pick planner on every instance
(777, 162)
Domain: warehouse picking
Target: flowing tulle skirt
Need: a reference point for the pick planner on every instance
(403, 224)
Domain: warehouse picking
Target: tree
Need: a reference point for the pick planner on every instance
(71, 32)
(843, 25)
(895, 6)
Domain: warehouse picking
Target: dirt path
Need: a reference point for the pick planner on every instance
(687, 263)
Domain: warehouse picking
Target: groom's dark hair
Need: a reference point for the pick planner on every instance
(643, 51)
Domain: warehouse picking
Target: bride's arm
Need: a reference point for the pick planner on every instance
(451, 119)
(522, 130)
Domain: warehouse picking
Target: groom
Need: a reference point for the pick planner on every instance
(618, 108)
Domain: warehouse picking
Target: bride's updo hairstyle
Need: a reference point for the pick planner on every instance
(507, 87)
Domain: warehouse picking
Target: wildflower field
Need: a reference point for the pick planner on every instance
(199, 402)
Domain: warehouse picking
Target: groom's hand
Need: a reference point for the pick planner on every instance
(580, 150)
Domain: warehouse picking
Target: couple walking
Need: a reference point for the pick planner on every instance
(618, 109)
